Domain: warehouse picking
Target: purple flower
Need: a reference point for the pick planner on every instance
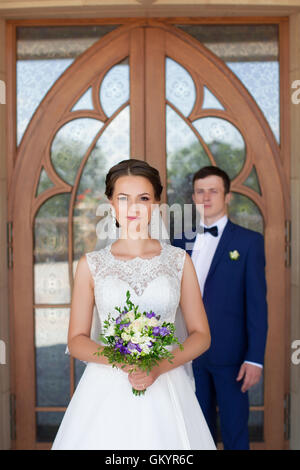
(124, 350)
(150, 314)
(156, 330)
(118, 320)
(137, 346)
(164, 331)
(119, 343)
(150, 344)
(123, 325)
(131, 346)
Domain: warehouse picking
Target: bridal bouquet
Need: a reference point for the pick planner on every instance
(137, 339)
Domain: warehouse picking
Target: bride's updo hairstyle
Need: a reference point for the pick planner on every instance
(135, 168)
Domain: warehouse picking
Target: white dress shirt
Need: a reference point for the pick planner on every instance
(203, 252)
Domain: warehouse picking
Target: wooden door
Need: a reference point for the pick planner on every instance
(121, 85)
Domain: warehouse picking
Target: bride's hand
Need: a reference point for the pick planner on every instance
(140, 380)
(126, 368)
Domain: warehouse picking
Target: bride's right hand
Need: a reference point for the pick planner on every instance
(127, 368)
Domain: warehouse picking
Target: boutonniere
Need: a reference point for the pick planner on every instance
(234, 255)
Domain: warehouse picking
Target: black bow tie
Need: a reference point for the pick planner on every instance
(212, 230)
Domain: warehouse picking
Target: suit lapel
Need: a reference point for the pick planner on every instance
(225, 239)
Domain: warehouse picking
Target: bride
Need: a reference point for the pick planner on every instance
(103, 412)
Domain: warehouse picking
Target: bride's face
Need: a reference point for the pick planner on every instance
(133, 199)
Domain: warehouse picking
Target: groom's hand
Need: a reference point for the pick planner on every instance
(251, 375)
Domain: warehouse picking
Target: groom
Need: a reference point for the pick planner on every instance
(230, 265)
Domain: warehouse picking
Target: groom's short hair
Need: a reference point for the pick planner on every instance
(213, 171)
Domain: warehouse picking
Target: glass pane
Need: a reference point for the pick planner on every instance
(252, 53)
(210, 101)
(256, 426)
(34, 80)
(70, 145)
(51, 278)
(52, 364)
(47, 424)
(112, 147)
(262, 80)
(225, 143)
(85, 101)
(243, 211)
(180, 87)
(252, 181)
(256, 393)
(43, 54)
(44, 183)
(114, 90)
(185, 155)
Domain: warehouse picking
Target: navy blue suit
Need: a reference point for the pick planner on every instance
(235, 302)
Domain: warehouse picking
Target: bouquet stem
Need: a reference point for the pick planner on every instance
(138, 393)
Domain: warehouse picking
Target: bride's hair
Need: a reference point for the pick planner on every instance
(136, 168)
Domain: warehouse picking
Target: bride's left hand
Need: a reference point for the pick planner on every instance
(140, 380)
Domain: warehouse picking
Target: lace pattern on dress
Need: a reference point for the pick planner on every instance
(137, 272)
(155, 283)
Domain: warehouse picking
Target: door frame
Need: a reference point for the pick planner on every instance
(283, 156)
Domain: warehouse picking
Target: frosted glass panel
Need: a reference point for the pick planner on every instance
(70, 145)
(43, 55)
(47, 424)
(262, 80)
(180, 87)
(51, 278)
(185, 155)
(44, 182)
(52, 364)
(114, 90)
(210, 101)
(225, 143)
(245, 212)
(112, 147)
(34, 80)
(252, 181)
(85, 101)
(252, 53)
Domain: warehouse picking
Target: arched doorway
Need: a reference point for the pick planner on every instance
(126, 96)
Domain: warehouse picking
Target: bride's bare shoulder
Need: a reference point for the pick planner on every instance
(87, 265)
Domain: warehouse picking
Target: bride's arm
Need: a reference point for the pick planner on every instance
(79, 343)
(195, 317)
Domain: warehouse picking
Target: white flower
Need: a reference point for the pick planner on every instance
(125, 336)
(145, 340)
(152, 322)
(136, 338)
(110, 330)
(145, 348)
(138, 324)
(234, 255)
(130, 315)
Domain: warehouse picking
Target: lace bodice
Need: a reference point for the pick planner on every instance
(154, 283)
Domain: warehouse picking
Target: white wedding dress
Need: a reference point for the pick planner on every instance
(103, 412)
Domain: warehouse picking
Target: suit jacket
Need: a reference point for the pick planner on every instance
(235, 297)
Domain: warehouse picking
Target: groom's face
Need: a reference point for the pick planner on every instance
(210, 193)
